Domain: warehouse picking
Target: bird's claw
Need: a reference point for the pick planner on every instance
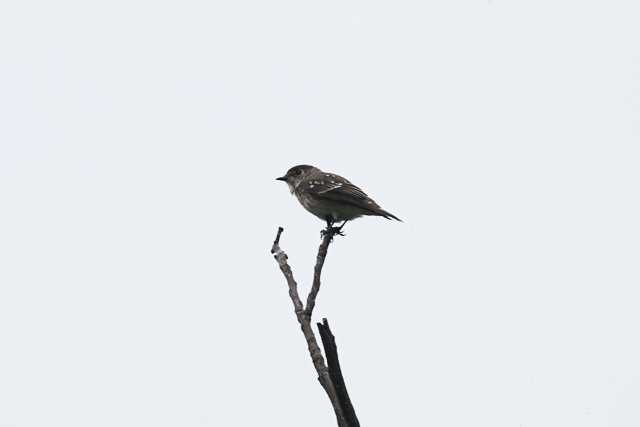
(337, 231)
(332, 231)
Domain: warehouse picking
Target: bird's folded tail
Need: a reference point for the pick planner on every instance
(387, 215)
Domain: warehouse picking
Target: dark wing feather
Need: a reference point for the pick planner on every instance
(335, 188)
(330, 184)
(338, 189)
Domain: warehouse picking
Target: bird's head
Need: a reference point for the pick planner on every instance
(296, 175)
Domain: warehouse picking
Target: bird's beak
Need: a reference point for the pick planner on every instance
(282, 178)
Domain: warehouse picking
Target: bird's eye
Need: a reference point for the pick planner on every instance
(299, 172)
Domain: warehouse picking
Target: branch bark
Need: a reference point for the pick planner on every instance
(303, 315)
(331, 351)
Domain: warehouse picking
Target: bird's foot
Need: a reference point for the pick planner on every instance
(332, 231)
(336, 231)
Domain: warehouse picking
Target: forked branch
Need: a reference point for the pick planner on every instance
(330, 378)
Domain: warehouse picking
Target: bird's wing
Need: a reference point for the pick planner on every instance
(336, 188)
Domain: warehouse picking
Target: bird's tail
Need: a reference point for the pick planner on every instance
(387, 215)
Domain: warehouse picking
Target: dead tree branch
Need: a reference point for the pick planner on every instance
(331, 380)
(331, 351)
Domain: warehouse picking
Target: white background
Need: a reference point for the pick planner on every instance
(139, 142)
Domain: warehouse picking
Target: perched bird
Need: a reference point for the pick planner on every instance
(330, 197)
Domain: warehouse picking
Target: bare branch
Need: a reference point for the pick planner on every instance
(281, 257)
(305, 320)
(317, 271)
(331, 352)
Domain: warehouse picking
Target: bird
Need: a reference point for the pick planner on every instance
(331, 197)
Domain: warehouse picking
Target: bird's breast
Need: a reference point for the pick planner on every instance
(305, 201)
(325, 209)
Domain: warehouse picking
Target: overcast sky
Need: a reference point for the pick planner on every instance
(139, 142)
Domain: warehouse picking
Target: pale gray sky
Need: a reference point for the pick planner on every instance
(139, 142)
